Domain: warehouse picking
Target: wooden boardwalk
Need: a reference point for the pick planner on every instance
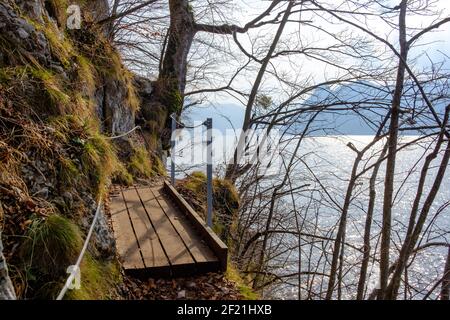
(158, 234)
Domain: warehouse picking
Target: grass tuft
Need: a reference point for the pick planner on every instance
(140, 164)
(52, 243)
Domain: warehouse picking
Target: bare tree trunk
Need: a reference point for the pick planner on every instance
(231, 168)
(392, 153)
(114, 8)
(340, 236)
(445, 291)
(409, 243)
(171, 83)
(368, 226)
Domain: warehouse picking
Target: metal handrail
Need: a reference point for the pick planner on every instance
(209, 168)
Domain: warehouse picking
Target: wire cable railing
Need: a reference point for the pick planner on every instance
(74, 270)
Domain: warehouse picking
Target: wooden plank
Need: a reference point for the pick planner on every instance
(126, 244)
(213, 241)
(191, 239)
(173, 246)
(151, 250)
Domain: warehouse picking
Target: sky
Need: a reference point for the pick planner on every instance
(298, 68)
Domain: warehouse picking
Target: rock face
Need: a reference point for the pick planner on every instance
(103, 238)
(111, 94)
(118, 116)
(20, 31)
(110, 98)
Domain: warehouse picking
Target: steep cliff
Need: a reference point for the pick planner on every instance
(62, 92)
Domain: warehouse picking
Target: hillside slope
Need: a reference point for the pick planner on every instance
(62, 93)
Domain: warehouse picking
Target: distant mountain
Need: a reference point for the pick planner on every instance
(367, 100)
(359, 95)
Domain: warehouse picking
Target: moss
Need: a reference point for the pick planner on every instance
(226, 201)
(82, 105)
(108, 63)
(122, 176)
(196, 182)
(8, 74)
(36, 86)
(99, 161)
(132, 98)
(86, 75)
(97, 280)
(98, 156)
(52, 86)
(155, 116)
(174, 101)
(158, 167)
(56, 113)
(67, 127)
(60, 44)
(166, 89)
(246, 291)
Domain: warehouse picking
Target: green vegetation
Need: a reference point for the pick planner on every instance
(170, 96)
(97, 154)
(234, 275)
(68, 172)
(50, 118)
(99, 161)
(143, 164)
(97, 280)
(140, 163)
(52, 243)
(226, 200)
(226, 205)
(60, 44)
(51, 84)
(86, 75)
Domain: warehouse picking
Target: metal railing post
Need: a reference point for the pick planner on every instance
(209, 171)
(172, 150)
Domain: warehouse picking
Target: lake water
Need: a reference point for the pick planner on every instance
(331, 161)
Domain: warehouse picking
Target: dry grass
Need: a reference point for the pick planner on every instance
(50, 117)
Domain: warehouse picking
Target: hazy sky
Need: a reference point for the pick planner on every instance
(435, 44)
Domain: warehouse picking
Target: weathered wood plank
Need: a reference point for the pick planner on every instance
(170, 240)
(213, 241)
(151, 250)
(155, 238)
(126, 244)
(191, 239)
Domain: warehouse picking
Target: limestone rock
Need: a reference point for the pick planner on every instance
(22, 34)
